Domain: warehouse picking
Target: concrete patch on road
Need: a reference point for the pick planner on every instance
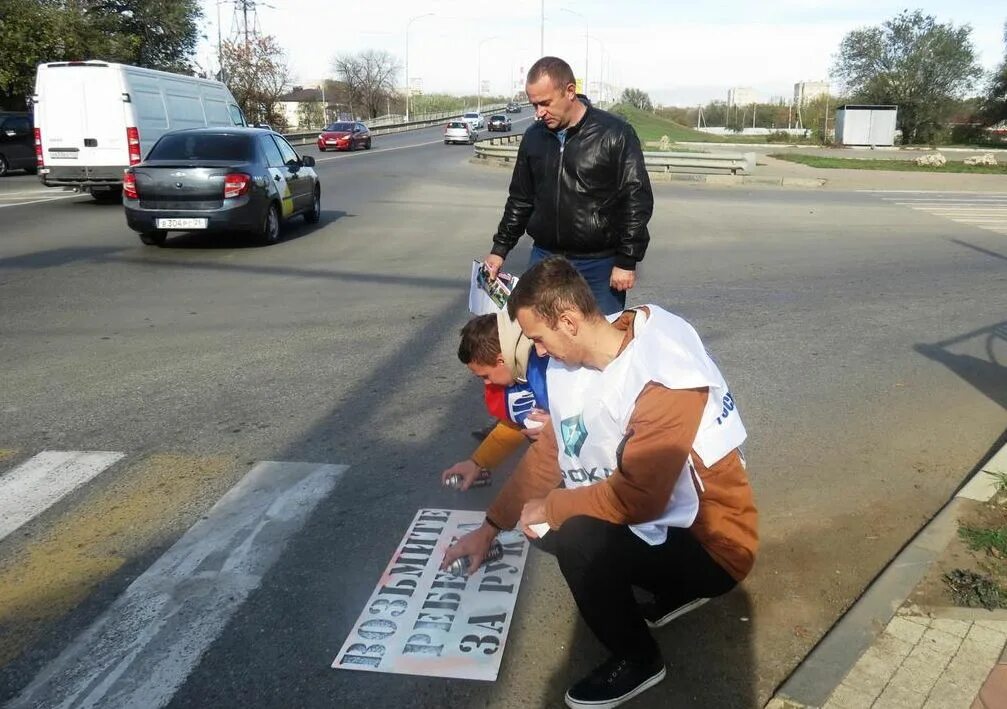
(143, 647)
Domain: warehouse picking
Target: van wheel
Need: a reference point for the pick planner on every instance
(269, 232)
(153, 238)
(315, 213)
(4, 167)
(108, 197)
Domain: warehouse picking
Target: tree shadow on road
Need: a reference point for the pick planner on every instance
(986, 373)
(58, 257)
(290, 231)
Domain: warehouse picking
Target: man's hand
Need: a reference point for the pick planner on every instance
(533, 512)
(622, 279)
(468, 469)
(533, 432)
(475, 545)
(493, 264)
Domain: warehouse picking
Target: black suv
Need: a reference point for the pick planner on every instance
(17, 143)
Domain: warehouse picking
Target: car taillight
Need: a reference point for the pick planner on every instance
(38, 148)
(129, 186)
(236, 184)
(133, 141)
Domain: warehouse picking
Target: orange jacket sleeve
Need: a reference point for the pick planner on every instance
(504, 439)
(536, 474)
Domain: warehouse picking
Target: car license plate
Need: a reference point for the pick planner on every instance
(181, 223)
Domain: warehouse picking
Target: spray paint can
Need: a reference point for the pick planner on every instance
(484, 478)
(460, 566)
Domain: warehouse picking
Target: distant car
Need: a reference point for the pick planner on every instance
(459, 132)
(17, 143)
(513, 107)
(474, 119)
(499, 122)
(217, 179)
(344, 135)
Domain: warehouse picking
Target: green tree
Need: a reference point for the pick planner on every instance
(637, 98)
(309, 114)
(994, 108)
(911, 61)
(257, 75)
(160, 34)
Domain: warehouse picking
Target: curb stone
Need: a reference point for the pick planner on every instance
(845, 668)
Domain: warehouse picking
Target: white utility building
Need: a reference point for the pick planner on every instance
(866, 124)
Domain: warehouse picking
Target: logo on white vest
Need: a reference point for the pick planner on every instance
(574, 434)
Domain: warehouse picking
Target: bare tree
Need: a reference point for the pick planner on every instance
(257, 75)
(369, 77)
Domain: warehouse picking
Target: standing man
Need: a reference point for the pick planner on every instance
(580, 188)
(644, 438)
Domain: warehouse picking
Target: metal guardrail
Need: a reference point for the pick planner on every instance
(305, 137)
(505, 150)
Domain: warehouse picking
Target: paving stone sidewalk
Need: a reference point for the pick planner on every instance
(940, 658)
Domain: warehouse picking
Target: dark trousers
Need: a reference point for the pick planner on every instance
(598, 273)
(601, 563)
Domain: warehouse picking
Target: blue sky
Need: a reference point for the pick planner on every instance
(680, 52)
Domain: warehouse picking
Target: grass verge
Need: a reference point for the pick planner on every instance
(897, 165)
(651, 127)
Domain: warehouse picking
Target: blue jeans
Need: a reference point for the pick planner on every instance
(597, 272)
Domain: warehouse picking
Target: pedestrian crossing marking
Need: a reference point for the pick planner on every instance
(38, 483)
(147, 504)
(142, 649)
(983, 210)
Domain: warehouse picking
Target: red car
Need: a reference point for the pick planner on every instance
(344, 135)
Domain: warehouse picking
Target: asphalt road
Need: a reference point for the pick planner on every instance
(863, 339)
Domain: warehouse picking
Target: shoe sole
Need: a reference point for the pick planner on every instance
(677, 613)
(611, 703)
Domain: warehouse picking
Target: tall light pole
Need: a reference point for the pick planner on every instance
(601, 73)
(586, 44)
(409, 87)
(541, 33)
(479, 72)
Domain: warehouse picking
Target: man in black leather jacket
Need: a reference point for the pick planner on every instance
(579, 188)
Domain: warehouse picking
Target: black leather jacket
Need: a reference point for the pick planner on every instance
(590, 198)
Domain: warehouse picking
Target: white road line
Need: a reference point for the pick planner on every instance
(377, 151)
(39, 201)
(141, 650)
(34, 486)
(935, 192)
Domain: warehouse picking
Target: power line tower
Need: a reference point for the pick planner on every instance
(245, 22)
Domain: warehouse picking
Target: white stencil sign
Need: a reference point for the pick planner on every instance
(422, 621)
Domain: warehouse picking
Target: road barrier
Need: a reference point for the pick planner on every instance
(504, 151)
(307, 137)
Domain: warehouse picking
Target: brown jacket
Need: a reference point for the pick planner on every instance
(657, 445)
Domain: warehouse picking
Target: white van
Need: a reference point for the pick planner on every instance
(93, 119)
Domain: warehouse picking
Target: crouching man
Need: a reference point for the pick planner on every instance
(638, 474)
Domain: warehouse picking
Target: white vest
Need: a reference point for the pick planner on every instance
(591, 409)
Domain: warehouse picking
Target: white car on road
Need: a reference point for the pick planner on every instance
(474, 119)
(459, 132)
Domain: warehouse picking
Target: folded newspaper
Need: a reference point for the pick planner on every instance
(489, 296)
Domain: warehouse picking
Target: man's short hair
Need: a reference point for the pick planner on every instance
(551, 287)
(553, 67)
(480, 341)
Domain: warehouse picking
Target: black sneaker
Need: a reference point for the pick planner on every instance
(658, 615)
(614, 683)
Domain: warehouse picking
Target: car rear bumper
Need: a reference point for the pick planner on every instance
(240, 214)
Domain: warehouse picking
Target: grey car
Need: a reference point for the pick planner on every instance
(459, 132)
(220, 179)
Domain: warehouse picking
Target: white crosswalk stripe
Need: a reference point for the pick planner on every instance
(144, 646)
(985, 210)
(34, 486)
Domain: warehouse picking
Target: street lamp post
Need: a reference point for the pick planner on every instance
(601, 72)
(409, 88)
(479, 72)
(586, 44)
